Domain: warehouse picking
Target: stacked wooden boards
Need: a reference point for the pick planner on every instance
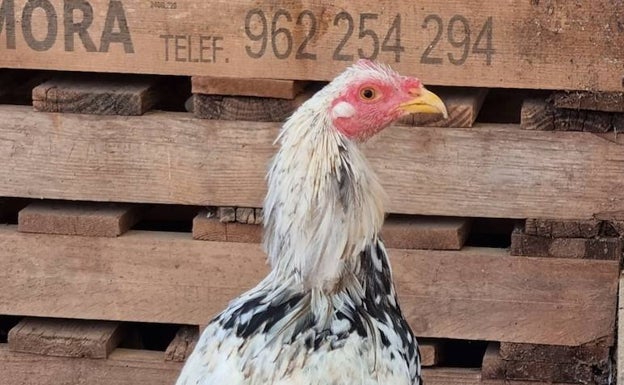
(83, 281)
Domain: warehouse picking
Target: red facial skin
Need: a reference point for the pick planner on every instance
(372, 116)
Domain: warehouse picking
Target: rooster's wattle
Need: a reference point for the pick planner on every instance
(327, 313)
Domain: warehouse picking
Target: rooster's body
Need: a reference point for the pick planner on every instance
(327, 313)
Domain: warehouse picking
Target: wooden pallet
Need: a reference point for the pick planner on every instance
(77, 351)
(463, 43)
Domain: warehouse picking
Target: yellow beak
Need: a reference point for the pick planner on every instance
(425, 103)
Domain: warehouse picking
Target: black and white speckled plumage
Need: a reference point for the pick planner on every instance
(327, 313)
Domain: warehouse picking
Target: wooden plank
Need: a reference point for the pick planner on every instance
(78, 218)
(593, 352)
(528, 45)
(141, 367)
(463, 106)
(536, 246)
(172, 158)
(538, 114)
(554, 228)
(586, 100)
(492, 366)
(65, 338)
(577, 372)
(420, 232)
(430, 352)
(402, 232)
(99, 95)
(247, 108)
(182, 344)
(443, 295)
(268, 88)
(211, 229)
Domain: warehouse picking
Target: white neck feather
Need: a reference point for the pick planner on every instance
(324, 203)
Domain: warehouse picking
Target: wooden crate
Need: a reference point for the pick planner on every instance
(551, 45)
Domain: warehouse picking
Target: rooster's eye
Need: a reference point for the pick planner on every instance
(368, 93)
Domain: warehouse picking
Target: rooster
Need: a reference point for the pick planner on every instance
(327, 313)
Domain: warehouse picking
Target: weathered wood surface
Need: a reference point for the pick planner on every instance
(78, 218)
(65, 338)
(523, 45)
(499, 170)
(463, 106)
(593, 352)
(554, 228)
(211, 229)
(268, 88)
(539, 114)
(443, 295)
(585, 100)
(182, 344)
(430, 352)
(97, 94)
(536, 246)
(401, 232)
(578, 371)
(246, 108)
(142, 367)
(421, 232)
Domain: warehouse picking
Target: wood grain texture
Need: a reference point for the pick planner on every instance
(586, 100)
(430, 352)
(593, 352)
(100, 94)
(267, 88)
(497, 170)
(536, 246)
(420, 232)
(65, 338)
(141, 367)
(211, 229)
(463, 106)
(539, 114)
(78, 218)
(494, 367)
(402, 232)
(247, 108)
(443, 295)
(532, 42)
(182, 344)
(554, 228)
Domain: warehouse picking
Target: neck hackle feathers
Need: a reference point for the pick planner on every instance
(327, 313)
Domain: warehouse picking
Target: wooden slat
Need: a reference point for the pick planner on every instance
(65, 338)
(141, 367)
(182, 344)
(593, 352)
(99, 95)
(492, 366)
(578, 372)
(430, 352)
(268, 88)
(443, 295)
(247, 108)
(402, 232)
(78, 218)
(585, 100)
(536, 246)
(418, 232)
(528, 45)
(463, 106)
(554, 228)
(211, 229)
(496, 170)
(538, 114)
